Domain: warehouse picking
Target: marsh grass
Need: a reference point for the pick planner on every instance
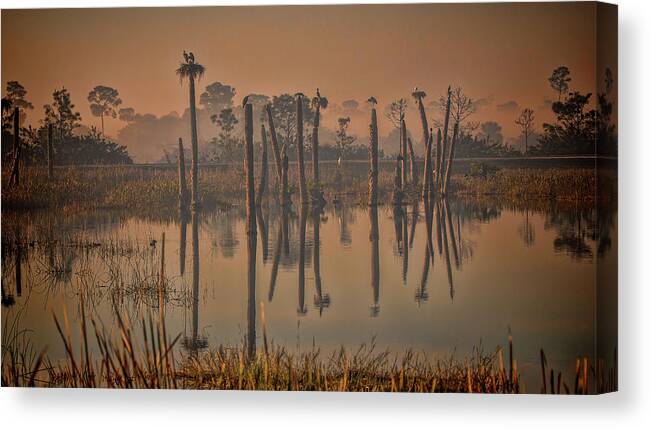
(155, 189)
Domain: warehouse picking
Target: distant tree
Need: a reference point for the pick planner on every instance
(283, 108)
(61, 113)
(103, 102)
(350, 105)
(396, 111)
(217, 97)
(574, 130)
(343, 141)
(492, 132)
(227, 146)
(192, 71)
(14, 97)
(559, 80)
(127, 114)
(525, 122)
(461, 108)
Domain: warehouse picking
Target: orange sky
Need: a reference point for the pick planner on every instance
(501, 52)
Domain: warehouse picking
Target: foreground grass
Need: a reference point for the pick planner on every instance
(155, 188)
(125, 362)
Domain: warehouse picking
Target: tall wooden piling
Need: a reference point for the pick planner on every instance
(299, 149)
(275, 148)
(248, 168)
(264, 168)
(373, 151)
(183, 185)
(450, 158)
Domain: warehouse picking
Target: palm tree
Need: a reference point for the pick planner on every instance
(191, 70)
(318, 103)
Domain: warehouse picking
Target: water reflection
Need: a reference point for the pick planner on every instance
(441, 262)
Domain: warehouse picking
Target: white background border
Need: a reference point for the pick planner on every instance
(629, 407)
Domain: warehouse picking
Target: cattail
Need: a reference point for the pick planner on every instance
(248, 167)
(274, 143)
(373, 151)
(262, 187)
(183, 186)
(299, 149)
(50, 153)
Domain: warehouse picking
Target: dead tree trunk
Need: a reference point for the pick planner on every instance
(427, 173)
(299, 149)
(373, 175)
(450, 158)
(248, 167)
(264, 172)
(183, 186)
(15, 170)
(445, 132)
(403, 151)
(438, 160)
(412, 163)
(284, 177)
(274, 143)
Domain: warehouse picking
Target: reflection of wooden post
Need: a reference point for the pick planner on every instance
(405, 245)
(248, 167)
(373, 176)
(183, 185)
(195, 280)
(276, 260)
(251, 307)
(284, 178)
(447, 255)
(299, 150)
(19, 277)
(302, 310)
(264, 235)
(274, 143)
(262, 187)
(321, 300)
(374, 237)
(50, 153)
(183, 226)
(453, 239)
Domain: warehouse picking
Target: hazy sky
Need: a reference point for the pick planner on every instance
(501, 52)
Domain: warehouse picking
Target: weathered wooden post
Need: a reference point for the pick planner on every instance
(248, 167)
(183, 186)
(299, 149)
(446, 124)
(438, 161)
(284, 177)
(427, 173)
(15, 170)
(264, 171)
(274, 143)
(374, 237)
(373, 175)
(50, 153)
(450, 158)
(397, 182)
(403, 149)
(412, 163)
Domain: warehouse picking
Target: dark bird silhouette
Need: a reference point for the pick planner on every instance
(191, 56)
(245, 101)
(318, 94)
(185, 56)
(299, 94)
(372, 100)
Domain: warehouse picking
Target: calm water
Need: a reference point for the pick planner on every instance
(345, 276)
